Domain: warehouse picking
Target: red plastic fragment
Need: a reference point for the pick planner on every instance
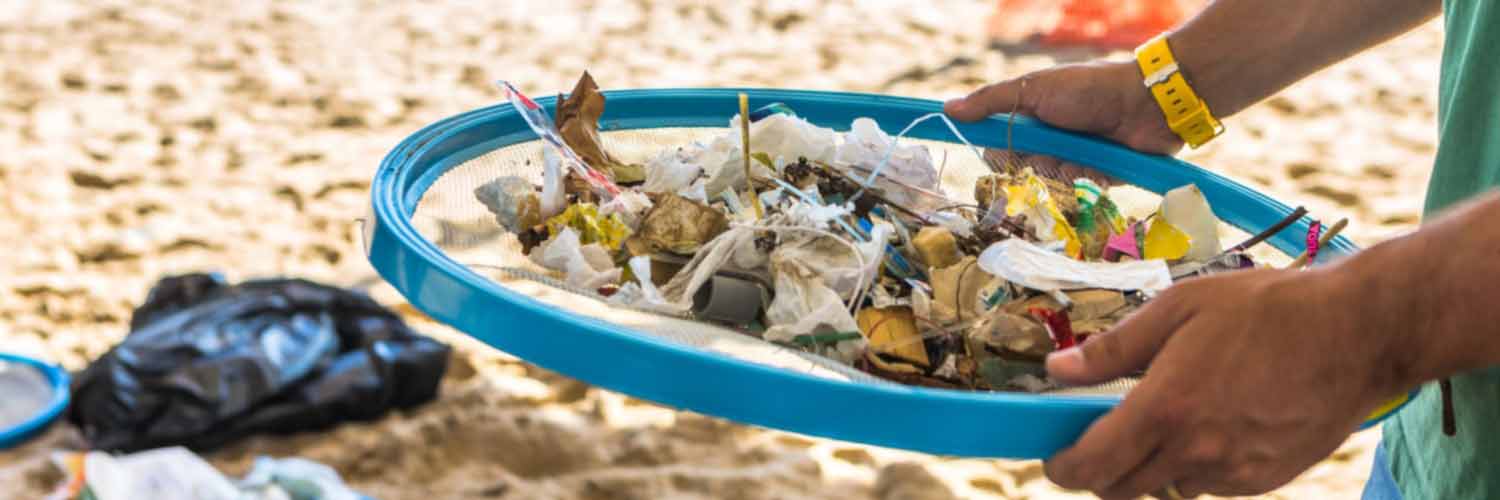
(1058, 326)
(1314, 232)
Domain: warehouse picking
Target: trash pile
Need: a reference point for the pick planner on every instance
(844, 243)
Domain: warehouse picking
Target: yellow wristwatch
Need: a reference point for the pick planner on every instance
(1187, 115)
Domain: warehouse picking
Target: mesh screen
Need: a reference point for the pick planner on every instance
(449, 216)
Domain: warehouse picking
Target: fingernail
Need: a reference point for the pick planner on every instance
(1068, 360)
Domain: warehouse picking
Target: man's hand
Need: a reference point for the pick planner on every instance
(1102, 98)
(1254, 376)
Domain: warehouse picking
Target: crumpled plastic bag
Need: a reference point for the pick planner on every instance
(207, 363)
(804, 305)
(1026, 264)
(735, 247)
(586, 266)
(642, 293)
(673, 170)
(513, 201)
(910, 166)
(837, 264)
(723, 167)
(783, 138)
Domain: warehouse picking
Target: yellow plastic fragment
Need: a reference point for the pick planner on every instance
(892, 331)
(1031, 198)
(584, 218)
(1165, 241)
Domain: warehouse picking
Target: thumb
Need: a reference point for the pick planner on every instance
(988, 100)
(1130, 346)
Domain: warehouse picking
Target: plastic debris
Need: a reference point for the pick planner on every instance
(805, 305)
(514, 202)
(554, 198)
(730, 300)
(1164, 241)
(531, 112)
(905, 171)
(893, 332)
(1026, 264)
(1031, 198)
(672, 170)
(845, 245)
(207, 363)
(586, 266)
(955, 291)
(175, 473)
(937, 247)
(1122, 244)
(591, 227)
(629, 206)
(1186, 209)
(775, 108)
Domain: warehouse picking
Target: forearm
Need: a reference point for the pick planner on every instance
(1433, 296)
(1237, 52)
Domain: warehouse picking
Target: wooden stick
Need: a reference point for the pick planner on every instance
(1271, 231)
(1328, 236)
(760, 212)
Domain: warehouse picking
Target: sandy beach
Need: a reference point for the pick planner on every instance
(150, 138)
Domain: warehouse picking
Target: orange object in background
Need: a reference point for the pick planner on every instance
(1108, 24)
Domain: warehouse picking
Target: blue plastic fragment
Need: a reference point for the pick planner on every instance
(775, 108)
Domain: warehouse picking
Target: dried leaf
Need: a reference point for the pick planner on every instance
(578, 122)
(678, 225)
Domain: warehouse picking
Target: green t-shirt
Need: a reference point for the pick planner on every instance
(1426, 463)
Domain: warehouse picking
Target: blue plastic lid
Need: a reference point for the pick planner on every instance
(948, 422)
(34, 394)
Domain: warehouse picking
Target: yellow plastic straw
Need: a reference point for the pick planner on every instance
(745, 134)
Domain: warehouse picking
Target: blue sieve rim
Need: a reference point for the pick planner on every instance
(1002, 425)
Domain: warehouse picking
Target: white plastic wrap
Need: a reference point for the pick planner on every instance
(1031, 266)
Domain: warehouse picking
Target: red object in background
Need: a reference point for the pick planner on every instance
(1109, 24)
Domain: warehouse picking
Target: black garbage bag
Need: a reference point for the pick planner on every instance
(206, 363)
